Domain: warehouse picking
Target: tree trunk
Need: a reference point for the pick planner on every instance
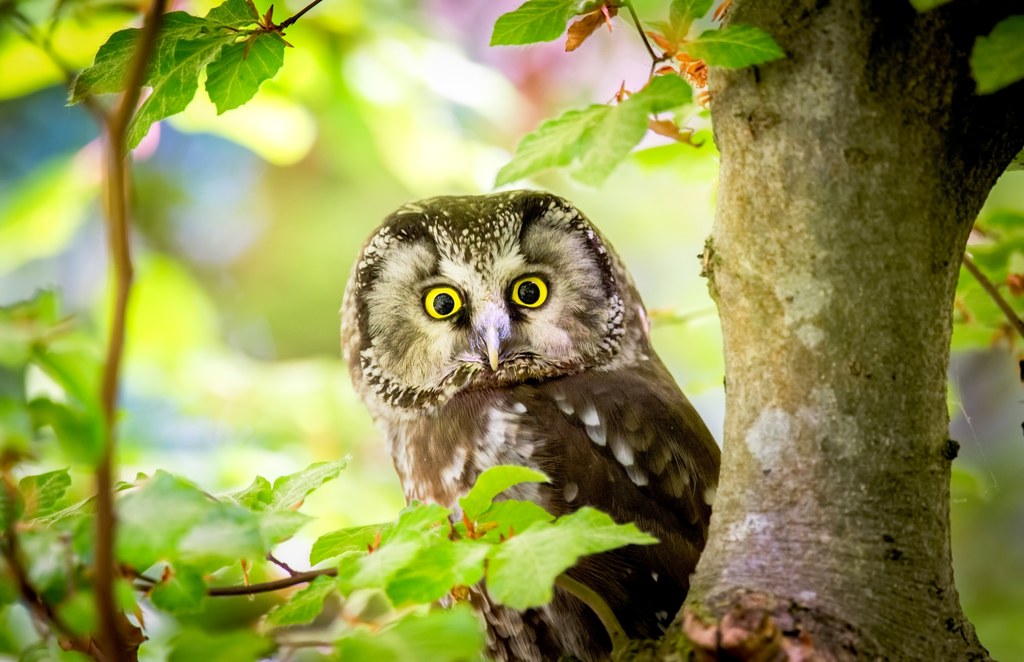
(851, 173)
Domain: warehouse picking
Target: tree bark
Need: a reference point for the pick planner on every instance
(851, 173)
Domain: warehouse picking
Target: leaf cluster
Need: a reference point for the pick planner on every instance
(594, 140)
(431, 552)
(999, 254)
(237, 48)
(181, 548)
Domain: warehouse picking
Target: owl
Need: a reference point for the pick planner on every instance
(503, 329)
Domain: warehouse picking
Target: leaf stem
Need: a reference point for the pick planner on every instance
(113, 623)
(276, 585)
(655, 59)
(592, 599)
(288, 22)
(281, 564)
(1015, 321)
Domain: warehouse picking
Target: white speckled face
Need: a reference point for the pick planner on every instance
(482, 249)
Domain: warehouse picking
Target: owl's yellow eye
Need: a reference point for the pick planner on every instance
(530, 292)
(442, 302)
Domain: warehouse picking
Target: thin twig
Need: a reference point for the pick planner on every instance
(276, 585)
(655, 58)
(1015, 321)
(281, 564)
(120, 255)
(288, 22)
(592, 599)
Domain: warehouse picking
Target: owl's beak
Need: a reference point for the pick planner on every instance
(491, 327)
(493, 343)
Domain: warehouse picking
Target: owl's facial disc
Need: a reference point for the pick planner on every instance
(479, 292)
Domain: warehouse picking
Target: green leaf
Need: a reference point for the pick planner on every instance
(619, 131)
(304, 605)
(682, 14)
(125, 596)
(79, 613)
(418, 527)
(280, 525)
(493, 482)
(169, 519)
(15, 426)
(174, 81)
(257, 496)
(8, 590)
(27, 323)
(441, 635)
(226, 534)
(599, 136)
(42, 493)
(235, 76)
(416, 521)
(556, 142)
(114, 59)
(369, 606)
(997, 60)
(195, 644)
(522, 570)
(661, 94)
(611, 141)
(110, 67)
(376, 570)
(234, 13)
(154, 518)
(83, 508)
(46, 555)
(435, 570)
(76, 367)
(734, 47)
(181, 591)
(79, 432)
(338, 542)
(534, 21)
(1018, 162)
(512, 517)
(289, 491)
(925, 5)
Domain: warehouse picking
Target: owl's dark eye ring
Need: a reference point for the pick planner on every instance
(529, 292)
(442, 302)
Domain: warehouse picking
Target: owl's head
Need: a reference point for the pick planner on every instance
(456, 293)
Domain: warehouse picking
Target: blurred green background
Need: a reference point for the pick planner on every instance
(246, 226)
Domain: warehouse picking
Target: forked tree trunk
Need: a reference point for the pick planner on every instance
(851, 173)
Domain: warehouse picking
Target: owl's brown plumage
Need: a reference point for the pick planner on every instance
(502, 329)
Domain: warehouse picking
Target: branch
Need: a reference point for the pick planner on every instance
(288, 22)
(655, 58)
(111, 619)
(281, 564)
(276, 585)
(592, 599)
(1015, 321)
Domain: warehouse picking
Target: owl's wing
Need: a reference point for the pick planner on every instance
(628, 443)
